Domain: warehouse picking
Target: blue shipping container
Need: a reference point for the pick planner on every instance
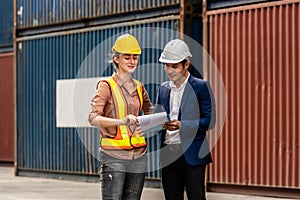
(6, 25)
(32, 13)
(44, 59)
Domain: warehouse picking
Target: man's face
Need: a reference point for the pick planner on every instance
(176, 72)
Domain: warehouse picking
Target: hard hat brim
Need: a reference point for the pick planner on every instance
(135, 52)
(170, 61)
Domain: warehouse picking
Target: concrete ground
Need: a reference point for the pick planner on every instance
(27, 188)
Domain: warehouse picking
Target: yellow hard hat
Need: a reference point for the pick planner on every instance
(127, 44)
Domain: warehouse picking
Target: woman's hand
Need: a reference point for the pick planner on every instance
(129, 120)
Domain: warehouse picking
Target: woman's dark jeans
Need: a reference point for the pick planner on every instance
(122, 179)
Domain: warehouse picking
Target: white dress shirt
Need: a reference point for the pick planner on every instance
(172, 137)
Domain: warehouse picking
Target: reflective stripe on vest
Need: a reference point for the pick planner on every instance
(123, 139)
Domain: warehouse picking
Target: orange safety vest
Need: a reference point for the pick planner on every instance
(124, 138)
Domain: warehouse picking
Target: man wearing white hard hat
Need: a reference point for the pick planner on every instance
(184, 148)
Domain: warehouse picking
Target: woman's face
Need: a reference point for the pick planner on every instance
(127, 63)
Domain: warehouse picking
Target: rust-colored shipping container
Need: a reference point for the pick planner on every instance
(257, 50)
(6, 108)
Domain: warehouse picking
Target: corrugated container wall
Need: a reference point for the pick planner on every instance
(32, 13)
(6, 82)
(53, 40)
(6, 25)
(257, 50)
(218, 4)
(44, 59)
(7, 108)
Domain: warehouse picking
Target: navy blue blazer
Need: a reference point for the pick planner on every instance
(196, 114)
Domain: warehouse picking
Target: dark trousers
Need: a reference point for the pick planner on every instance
(119, 181)
(179, 175)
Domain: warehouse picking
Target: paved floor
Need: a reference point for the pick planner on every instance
(26, 188)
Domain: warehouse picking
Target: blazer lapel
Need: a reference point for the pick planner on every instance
(187, 92)
(166, 100)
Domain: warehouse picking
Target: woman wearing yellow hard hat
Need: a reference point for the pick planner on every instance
(115, 107)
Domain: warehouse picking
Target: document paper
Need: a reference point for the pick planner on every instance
(152, 122)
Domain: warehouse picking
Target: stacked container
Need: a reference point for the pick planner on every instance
(257, 48)
(254, 44)
(6, 83)
(71, 40)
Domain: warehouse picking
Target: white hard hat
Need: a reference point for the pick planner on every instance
(175, 51)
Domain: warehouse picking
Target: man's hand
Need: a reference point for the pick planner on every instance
(172, 125)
